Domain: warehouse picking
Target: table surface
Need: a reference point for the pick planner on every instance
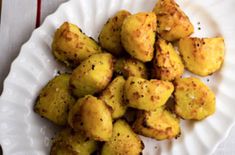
(18, 20)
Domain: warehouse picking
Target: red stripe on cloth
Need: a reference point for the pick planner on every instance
(38, 16)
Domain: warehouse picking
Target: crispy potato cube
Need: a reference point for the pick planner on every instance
(92, 116)
(113, 97)
(167, 64)
(138, 35)
(71, 46)
(109, 37)
(202, 56)
(123, 142)
(55, 100)
(194, 100)
(92, 75)
(130, 67)
(159, 124)
(146, 95)
(69, 142)
(74, 115)
(172, 22)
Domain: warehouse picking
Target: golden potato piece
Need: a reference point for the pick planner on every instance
(55, 100)
(74, 116)
(109, 37)
(172, 22)
(71, 46)
(69, 142)
(113, 97)
(194, 100)
(168, 65)
(146, 95)
(202, 56)
(123, 142)
(138, 35)
(159, 124)
(92, 75)
(130, 67)
(92, 116)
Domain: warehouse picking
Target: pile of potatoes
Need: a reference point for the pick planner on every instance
(132, 69)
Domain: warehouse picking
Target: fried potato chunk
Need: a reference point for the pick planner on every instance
(109, 37)
(69, 142)
(194, 100)
(202, 56)
(146, 95)
(172, 22)
(71, 46)
(123, 142)
(159, 124)
(130, 67)
(168, 65)
(55, 100)
(138, 35)
(92, 116)
(113, 97)
(92, 75)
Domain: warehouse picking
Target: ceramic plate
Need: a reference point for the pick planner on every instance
(22, 132)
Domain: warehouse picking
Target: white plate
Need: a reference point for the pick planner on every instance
(22, 132)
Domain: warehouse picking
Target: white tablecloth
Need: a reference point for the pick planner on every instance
(18, 20)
